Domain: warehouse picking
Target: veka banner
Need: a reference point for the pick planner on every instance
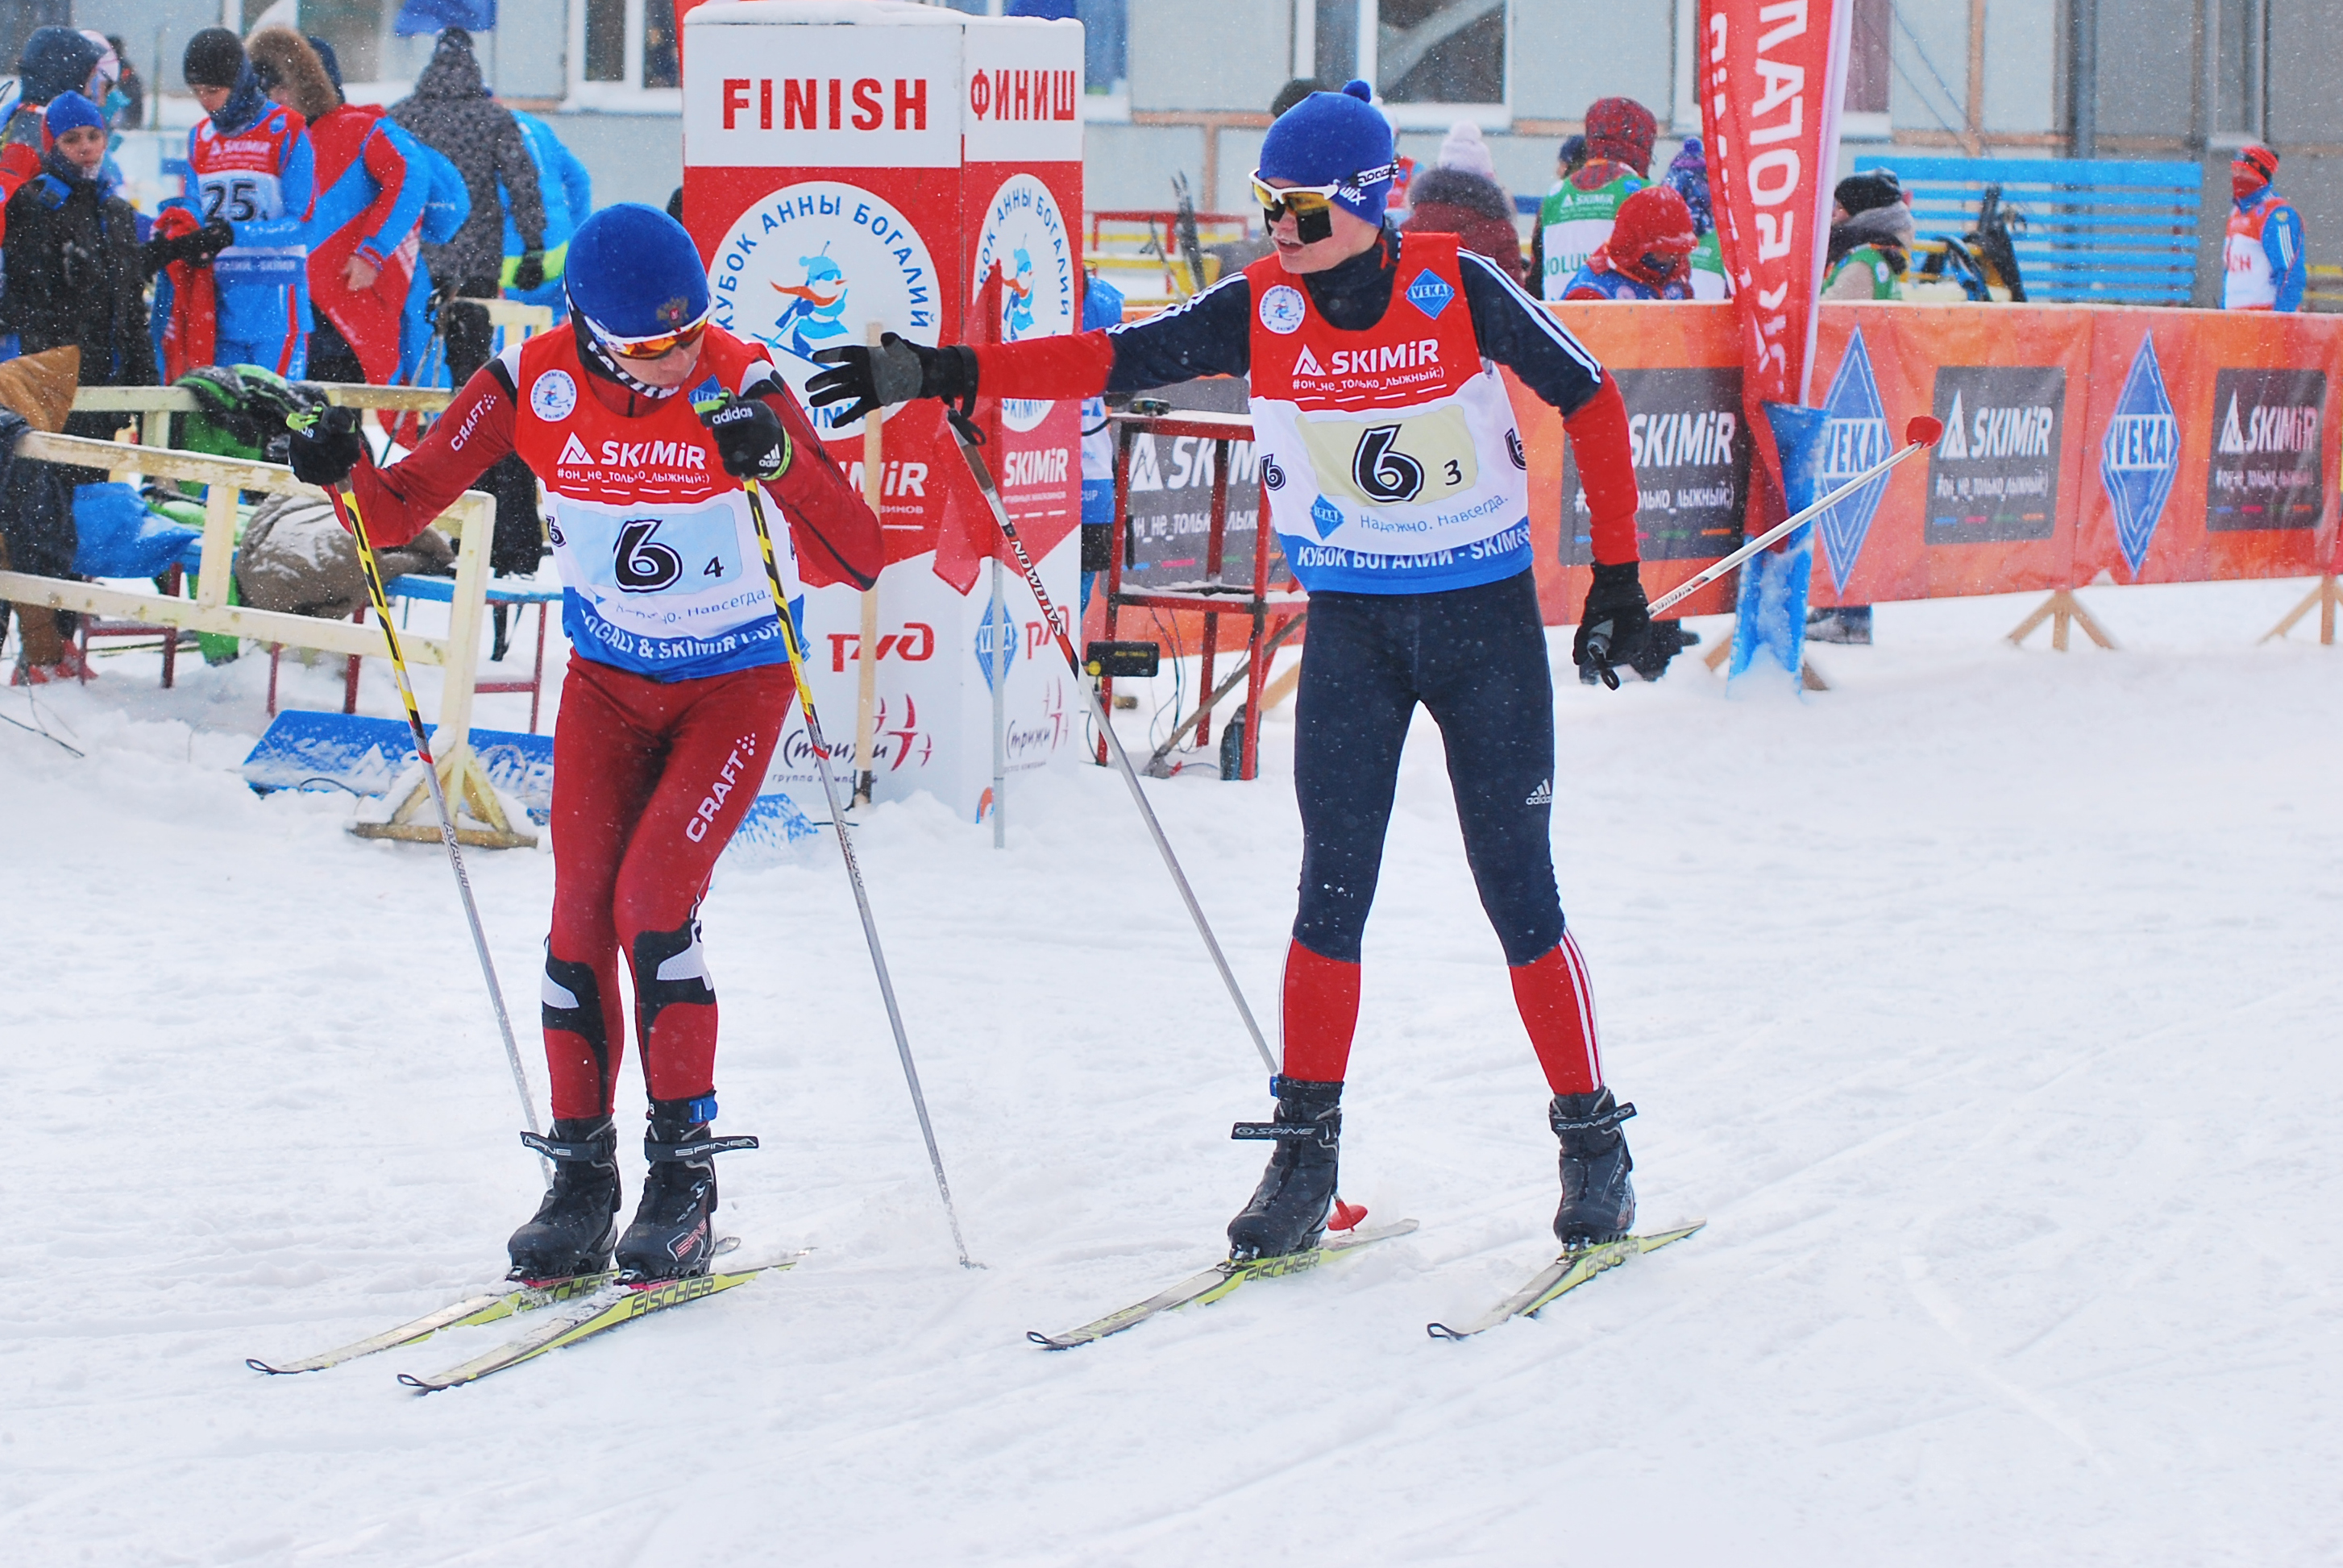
(1772, 74)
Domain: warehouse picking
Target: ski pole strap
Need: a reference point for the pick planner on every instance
(1323, 1131)
(590, 1150)
(1603, 1121)
(659, 1153)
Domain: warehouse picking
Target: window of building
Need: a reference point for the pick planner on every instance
(1431, 61)
(623, 54)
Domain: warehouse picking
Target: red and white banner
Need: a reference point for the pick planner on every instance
(1772, 75)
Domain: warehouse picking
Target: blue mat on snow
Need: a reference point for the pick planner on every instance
(306, 751)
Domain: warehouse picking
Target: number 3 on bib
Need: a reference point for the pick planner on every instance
(1419, 461)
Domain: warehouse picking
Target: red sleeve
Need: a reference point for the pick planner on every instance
(18, 163)
(1074, 366)
(1606, 468)
(477, 431)
(836, 538)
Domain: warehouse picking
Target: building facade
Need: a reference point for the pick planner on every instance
(1183, 86)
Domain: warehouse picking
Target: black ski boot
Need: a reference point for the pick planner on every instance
(1598, 1201)
(673, 1236)
(1288, 1212)
(577, 1225)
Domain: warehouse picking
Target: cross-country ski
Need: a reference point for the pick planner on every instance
(1574, 1268)
(1217, 1282)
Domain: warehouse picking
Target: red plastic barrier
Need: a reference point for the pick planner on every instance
(2071, 449)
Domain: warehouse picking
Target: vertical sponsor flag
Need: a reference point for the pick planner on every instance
(1772, 74)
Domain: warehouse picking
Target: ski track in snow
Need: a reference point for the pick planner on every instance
(1984, 1006)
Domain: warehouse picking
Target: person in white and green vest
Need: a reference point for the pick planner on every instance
(1870, 238)
(1578, 213)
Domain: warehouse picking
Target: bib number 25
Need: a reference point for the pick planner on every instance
(236, 200)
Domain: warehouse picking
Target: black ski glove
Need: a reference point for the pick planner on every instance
(750, 440)
(197, 248)
(530, 272)
(326, 447)
(1614, 628)
(896, 372)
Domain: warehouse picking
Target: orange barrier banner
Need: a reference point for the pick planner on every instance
(2148, 445)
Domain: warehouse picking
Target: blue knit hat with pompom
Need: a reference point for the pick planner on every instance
(1335, 139)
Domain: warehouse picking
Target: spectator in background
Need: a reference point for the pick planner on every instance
(1102, 310)
(1687, 175)
(2262, 258)
(568, 192)
(76, 270)
(54, 61)
(361, 227)
(1648, 254)
(1293, 93)
(1580, 210)
(1461, 195)
(132, 89)
(1870, 238)
(452, 111)
(252, 168)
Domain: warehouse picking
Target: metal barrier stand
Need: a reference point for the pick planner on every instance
(1209, 596)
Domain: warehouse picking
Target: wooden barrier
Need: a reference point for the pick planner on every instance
(473, 519)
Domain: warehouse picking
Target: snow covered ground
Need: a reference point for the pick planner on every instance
(1986, 1007)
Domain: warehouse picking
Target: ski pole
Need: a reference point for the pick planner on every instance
(1920, 435)
(961, 433)
(347, 512)
(853, 867)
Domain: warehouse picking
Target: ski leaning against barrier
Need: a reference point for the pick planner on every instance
(1217, 1282)
(611, 1306)
(1567, 1272)
(486, 1307)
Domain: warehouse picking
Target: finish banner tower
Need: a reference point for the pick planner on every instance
(850, 164)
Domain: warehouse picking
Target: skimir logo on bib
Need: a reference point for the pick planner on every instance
(1025, 234)
(808, 266)
(2139, 457)
(1854, 437)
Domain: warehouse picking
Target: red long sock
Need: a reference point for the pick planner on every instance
(1320, 1013)
(1558, 1010)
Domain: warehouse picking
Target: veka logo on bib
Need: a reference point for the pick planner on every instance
(1025, 234)
(808, 266)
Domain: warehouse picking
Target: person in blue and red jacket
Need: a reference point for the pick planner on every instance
(253, 170)
(2263, 260)
(643, 421)
(1399, 488)
(1648, 254)
(361, 227)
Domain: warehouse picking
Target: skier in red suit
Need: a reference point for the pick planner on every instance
(643, 421)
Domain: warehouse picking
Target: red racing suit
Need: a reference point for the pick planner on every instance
(662, 740)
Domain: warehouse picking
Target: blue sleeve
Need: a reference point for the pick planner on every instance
(407, 204)
(2282, 243)
(577, 185)
(296, 187)
(1519, 334)
(1209, 334)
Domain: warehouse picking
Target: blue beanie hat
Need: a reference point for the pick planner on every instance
(71, 112)
(633, 272)
(1335, 139)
